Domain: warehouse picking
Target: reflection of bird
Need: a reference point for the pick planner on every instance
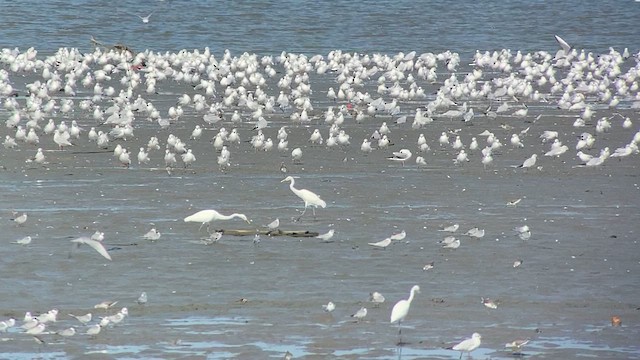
(309, 198)
(468, 345)
(207, 216)
(96, 245)
(401, 309)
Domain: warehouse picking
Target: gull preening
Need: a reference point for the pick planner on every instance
(402, 156)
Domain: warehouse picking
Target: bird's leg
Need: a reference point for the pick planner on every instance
(200, 228)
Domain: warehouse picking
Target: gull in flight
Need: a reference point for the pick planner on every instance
(402, 156)
(145, 19)
(96, 245)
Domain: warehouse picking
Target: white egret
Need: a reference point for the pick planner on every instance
(468, 345)
(401, 309)
(309, 198)
(207, 216)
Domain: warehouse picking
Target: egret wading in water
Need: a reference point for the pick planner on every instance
(401, 309)
(207, 216)
(309, 197)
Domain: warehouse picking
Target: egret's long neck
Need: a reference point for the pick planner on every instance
(291, 185)
(410, 299)
(234, 215)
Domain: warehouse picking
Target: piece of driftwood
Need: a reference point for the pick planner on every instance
(277, 232)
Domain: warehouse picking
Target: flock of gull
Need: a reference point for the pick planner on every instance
(103, 98)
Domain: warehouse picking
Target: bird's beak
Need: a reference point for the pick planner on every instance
(248, 221)
(282, 180)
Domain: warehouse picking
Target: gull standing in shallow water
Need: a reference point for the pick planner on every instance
(468, 345)
(326, 236)
(401, 309)
(309, 197)
(360, 314)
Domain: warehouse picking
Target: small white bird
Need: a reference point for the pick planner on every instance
(530, 162)
(152, 235)
(468, 345)
(145, 19)
(399, 236)
(94, 330)
(475, 232)
(326, 236)
(376, 298)
(21, 219)
(381, 244)
(24, 241)
(402, 156)
(274, 224)
(360, 314)
(84, 319)
(67, 332)
(96, 245)
(451, 228)
(329, 307)
(142, 299)
(491, 304)
(452, 245)
(516, 345)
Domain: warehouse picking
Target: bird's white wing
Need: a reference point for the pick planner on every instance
(96, 245)
(563, 44)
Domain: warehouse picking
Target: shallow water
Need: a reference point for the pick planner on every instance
(580, 265)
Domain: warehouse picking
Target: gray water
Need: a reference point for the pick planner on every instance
(579, 267)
